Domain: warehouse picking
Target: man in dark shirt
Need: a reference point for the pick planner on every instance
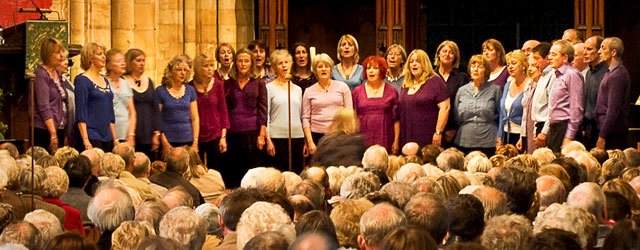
(177, 164)
(592, 81)
(613, 97)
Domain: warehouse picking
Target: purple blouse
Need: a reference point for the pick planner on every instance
(212, 110)
(247, 106)
(501, 80)
(50, 100)
(377, 115)
(419, 112)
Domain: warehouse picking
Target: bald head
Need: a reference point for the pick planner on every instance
(141, 165)
(178, 160)
(571, 36)
(528, 46)
(578, 59)
(410, 148)
(550, 190)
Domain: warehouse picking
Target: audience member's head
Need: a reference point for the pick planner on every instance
(625, 235)
(543, 155)
(626, 190)
(633, 157)
(411, 148)
(589, 196)
(376, 222)
(311, 190)
(12, 170)
(291, 180)
(618, 207)
(22, 232)
(554, 238)
(346, 218)
(428, 211)
(177, 160)
(375, 157)
(130, 234)
(395, 162)
(506, 232)
(550, 190)
(301, 205)
(210, 213)
(408, 237)
(493, 201)
(262, 217)
(577, 172)
(450, 158)
(479, 164)
(29, 185)
(572, 219)
(141, 165)
(127, 153)
(11, 148)
(57, 182)
(409, 173)
(233, 205)
(177, 196)
(70, 240)
(269, 240)
(151, 211)
(519, 186)
(316, 221)
(466, 217)
(612, 169)
(36, 152)
(161, 243)
(428, 185)
(47, 223)
(400, 192)
(78, 170)
(589, 162)
(314, 240)
(430, 153)
(358, 185)
(111, 165)
(110, 207)
(450, 186)
(185, 226)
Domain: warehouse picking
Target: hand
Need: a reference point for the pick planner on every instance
(305, 150)
(271, 149)
(395, 147)
(311, 148)
(87, 144)
(166, 148)
(223, 144)
(155, 142)
(498, 142)
(600, 143)
(437, 139)
(261, 142)
(131, 140)
(540, 140)
(194, 146)
(449, 135)
(53, 145)
(519, 144)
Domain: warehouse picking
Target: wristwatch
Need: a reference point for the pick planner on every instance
(438, 132)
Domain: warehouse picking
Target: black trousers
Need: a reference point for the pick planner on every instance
(588, 133)
(146, 149)
(106, 146)
(281, 159)
(616, 140)
(242, 155)
(556, 134)
(42, 138)
(210, 154)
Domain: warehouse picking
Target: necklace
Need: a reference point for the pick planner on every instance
(374, 90)
(344, 71)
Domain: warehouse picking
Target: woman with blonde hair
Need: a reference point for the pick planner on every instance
(423, 103)
(284, 112)
(178, 107)
(50, 118)
(94, 101)
(509, 126)
(343, 145)
(321, 101)
(348, 70)
(447, 61)
(477, 107)
(493, 51)
(212, 111)
(224, 55)
(123, 106)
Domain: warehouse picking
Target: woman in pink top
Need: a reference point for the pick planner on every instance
(321, 101)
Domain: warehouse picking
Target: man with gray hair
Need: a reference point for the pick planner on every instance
(505, 232)
(141, 169)
(185, 226)
(108, 209)
(376, 222)
(613, 97)
(550, 190)
(210, 213)
(177, 165)
(376, 160)
(575, 220)
(22, 232)
(47, 223)
(126, 176)
(590, 197)
(176, 197)
(450, 158)
(429, 212)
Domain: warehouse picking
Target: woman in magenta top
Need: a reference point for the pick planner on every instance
(424, 102)
(212, 110)
(376, 104)
(247, 103)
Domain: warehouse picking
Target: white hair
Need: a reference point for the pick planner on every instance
(110, 206)
(409, 172)
(250, 179)
(111, 165)
(48, 224)
(543, 155)
(185, 226)
(210, 213)
(375, 157)
(263, 217)
(11, 169)
(292, 179)
(479, 164)
(590, 197)
(358, 185)
(57, 182)
(271, 179)
(568, 218)
(432, 171)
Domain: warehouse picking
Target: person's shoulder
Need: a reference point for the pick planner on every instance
(340, 84)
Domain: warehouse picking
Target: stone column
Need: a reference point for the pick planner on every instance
(76, 29)
(227, 26)
(189, 26)
(206, 33)
(244, 23)
(122, 24)
(144, 34)
(169, 33)
(99, 17)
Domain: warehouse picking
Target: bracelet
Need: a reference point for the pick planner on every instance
(53, 137)
(132, 134)
(195, 139)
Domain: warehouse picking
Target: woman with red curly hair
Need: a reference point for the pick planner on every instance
(376, 104)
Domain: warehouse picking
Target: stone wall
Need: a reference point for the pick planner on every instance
(162, 28)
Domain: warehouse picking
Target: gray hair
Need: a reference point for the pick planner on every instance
(479, 164)
(409, 173)
(47, 223)
(550, 190)
(590, 197)
(399, 192)
(210, 214)
(177, 160)
(507, 232)
(11, 168)
(263, 217)
(428, 185)
(428, 211)
(185, 226)
(543, 155)
(110, 207)
(376, 222)
(568, 218)
(151, 211)
(57, 182)
(177, 196)
(375, 157)
(130, 235)
(65, 153)
(450, 159)
(127, 153)
(291, 179)
(493, 201)
(250, 178)
(26, 181)
(357, 186)
(271, 179)
(111, 165)
(22, 232)
(141, 165)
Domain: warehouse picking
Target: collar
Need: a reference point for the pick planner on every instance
(546, 70)
(614, 65)
(597, 67)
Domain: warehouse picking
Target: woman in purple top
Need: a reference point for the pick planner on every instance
(424, 102)
(247, 102)
(94, 101)
(178, 107)
(50, 97)
(212, 111)
(447, 61)
(494, 52)
(376, 104)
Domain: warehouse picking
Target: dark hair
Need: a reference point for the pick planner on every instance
(276, 198)
(577, 172)
(232, 206)
(519, 186)
(600, 154)
(269, 240)
(466, 216)
(408, 237)
(311, 190)
(78, 169)
(70, 240)
(295, 67)
(625, 235)
(542, 49)
(429, 212)
(316, 221)
(430, 153)
(553, 238)
(618, 207)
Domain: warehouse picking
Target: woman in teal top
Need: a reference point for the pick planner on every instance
(348, 70)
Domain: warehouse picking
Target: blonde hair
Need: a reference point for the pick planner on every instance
(344, 121)
(321, 58)
(198, 62)
(427, 71)
(401, 49)
(48, 47)
(279, 55)
(57, 182)
(86, 54)
(350, 39)
(175, 61)
(521, 57)
(454, 49)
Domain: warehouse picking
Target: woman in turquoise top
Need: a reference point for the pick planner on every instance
(123, 106)
(348, 70)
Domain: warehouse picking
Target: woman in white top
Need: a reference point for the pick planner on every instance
(284, 116)
(511, 109)
(123, 106)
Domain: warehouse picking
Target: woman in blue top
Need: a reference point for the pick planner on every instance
(123, 106)
(511, 101)
(94, 101)
(348, 70)
(178, 107)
